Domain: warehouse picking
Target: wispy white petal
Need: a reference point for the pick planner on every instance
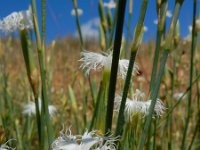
(92, 61)
(138, 105)
(95, 61)
(88, 140)
(5, 146)
(29, 109)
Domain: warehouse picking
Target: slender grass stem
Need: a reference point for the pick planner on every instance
(32, 76)
(110, 40)
(96, 106)
(160, 73)
(45, 100)
(180, 99)
(128, 27)
(154, 133)
(154, 96)
(155, 60)
(195, 132)
(160, 33)
(43, 78)
(120, 121)
(136, 42)
(193, 47)
(44, 28)
(78, 23)
(103, 20)
(114, 67)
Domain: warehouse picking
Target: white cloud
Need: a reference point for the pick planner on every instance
(90, 29)
(155, 21)
(169, 14)
(145, 28)
(73, 12)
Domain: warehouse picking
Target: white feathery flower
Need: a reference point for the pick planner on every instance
(168, 14)
(137, 105)
(111, 4)
(87, 141)
(5, 146)
(73, 12)
(95, 61)
(17, 20)
(30, 109)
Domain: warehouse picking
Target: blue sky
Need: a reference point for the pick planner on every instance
(60, 23)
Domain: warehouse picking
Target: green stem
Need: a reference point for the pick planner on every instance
(43, 79)
(154, 134)
(193, 47)
(96, 106)
(154, 98)
(160, 32)
(120, 121)
(110, 40)
(138, 35)
(78, 23)
(197, 127)
(155, 92)
(115, 61)
(44, 99)
(44, 28)
(180, 99)
(128, 28)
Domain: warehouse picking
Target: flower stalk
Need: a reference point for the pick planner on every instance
(162, 9)
(154, 94)
(43, 77)
(114, 67)
(78, 23)
(193, 47)
(135, 45)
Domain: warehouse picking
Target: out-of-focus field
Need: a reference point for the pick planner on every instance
(63, 73)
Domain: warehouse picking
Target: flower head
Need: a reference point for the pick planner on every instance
(29, 109)
(87, 141)
(137, 105)
(111, 4)
(96, 61)
(17, 20)
(80, 12)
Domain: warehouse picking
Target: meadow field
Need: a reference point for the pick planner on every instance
(117, 92)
